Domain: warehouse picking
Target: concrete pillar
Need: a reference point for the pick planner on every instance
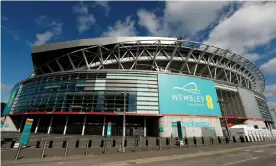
(83, 127)
(37, 125)
(50, 126)
(65, 126)
(103, 126)
(145, 126)
(165, 127)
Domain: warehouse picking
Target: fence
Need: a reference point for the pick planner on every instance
(113, 145)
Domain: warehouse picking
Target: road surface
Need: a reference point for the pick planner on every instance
(253, 157)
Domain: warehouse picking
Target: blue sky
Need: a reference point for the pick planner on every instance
(247, 28)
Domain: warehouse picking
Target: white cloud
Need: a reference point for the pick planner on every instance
(105, 5)
(54, 29)
(271, 105)
(181, 17)
(270, 91)
(5, 88)
(252, 56)
(126, 28)
(250, 26)
(150, 21)
(269, 67)
(85, 21)
(13, 33)
(42, 38)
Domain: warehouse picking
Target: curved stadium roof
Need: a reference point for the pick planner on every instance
(148, 53)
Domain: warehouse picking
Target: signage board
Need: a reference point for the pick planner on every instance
(192, 124)
(108, 132)
(26, 132)
(187, 95)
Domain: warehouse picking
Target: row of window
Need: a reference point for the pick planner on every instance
(81, 103)
(264, 110)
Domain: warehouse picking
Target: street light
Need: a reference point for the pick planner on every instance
(221, 101)
(124, 123)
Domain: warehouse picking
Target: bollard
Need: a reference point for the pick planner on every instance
(125, 142)
(219, 140)
(51, 143)
(241, 138)
(227, 140)
(135, 144)
(12, 143)
(234, 139)
(113, 142)
(167, 141)
(105, 147)
(211, 141)
(102, 143)
(66, 149)
(90, 143)
(157, 141)
(203, 142)
(159, 144)
(2, 141)
(195, 141)
(64, 143)
(77, 143)
(18, 151)
(86, 148)
(43, 150)
(246, 139)
(147, 143)
(187, 142)
(170, 143)
(37, 145)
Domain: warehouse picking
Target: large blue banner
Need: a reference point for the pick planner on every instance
(186, 95)
(11, 99)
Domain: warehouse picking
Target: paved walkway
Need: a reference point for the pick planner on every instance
(137, 157)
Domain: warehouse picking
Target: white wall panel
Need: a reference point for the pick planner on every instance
(249, 103)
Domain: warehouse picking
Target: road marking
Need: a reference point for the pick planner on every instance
(259, 151)
(241, 161)
(245, 150)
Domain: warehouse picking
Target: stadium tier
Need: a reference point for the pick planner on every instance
(79, 86)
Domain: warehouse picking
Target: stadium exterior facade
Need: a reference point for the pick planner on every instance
(78, 86)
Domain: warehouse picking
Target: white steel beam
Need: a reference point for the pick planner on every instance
(187, 57)
(59, 65)
(71, 62)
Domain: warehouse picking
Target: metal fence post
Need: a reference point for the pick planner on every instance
(86, 149)
(18, 151)
(43, 150)
(66, 150)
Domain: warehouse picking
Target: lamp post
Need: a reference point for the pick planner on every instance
(221, 101)
(124, 123)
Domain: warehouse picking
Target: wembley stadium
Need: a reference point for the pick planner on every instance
(78, 86)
